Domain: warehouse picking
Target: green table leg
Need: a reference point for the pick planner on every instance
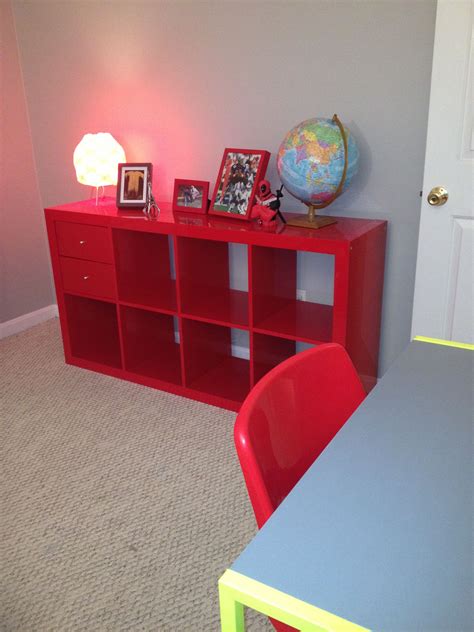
(237, 590)
(232, 612)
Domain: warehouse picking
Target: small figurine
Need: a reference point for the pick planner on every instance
(267, 208)
(151, 209)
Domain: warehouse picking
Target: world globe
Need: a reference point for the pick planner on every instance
(311, 161)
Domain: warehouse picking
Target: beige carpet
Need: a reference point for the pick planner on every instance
(121, 505)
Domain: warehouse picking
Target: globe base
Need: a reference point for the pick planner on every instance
(306, 221)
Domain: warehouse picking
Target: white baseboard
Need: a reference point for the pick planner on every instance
(14, 326)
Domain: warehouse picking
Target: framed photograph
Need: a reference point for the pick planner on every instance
(190, 196)
(132, 184)
(241, 171)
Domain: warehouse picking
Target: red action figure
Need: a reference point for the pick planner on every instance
(268, 204)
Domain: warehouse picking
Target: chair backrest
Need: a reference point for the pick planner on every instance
(288, 419)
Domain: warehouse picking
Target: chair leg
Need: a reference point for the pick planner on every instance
(281, 627)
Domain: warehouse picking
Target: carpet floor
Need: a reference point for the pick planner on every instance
(121, 505)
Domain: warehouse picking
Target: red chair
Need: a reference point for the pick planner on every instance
(288, 419)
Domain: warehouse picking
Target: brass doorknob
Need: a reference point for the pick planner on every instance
(437, 196)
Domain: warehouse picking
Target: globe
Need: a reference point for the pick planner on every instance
(311, 159)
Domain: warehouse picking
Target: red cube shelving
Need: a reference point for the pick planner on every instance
(156, 302)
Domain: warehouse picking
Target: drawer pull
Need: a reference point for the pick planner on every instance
(86, 277)
(82, 242)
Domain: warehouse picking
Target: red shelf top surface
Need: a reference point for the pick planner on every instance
(296, 320)
(161, 296)
(224, 306)
(206, 226)
(229, 379)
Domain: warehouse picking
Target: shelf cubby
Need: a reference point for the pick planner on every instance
(209, 365)
(93, 330)
(204, 282)
(150, 346)
(276, 309)
(269, 351)
(142, 263)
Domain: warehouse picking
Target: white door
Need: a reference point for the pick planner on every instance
(444, 284)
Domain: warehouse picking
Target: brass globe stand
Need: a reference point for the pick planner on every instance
(311, 220)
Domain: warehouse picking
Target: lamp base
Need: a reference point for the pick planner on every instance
(304, 221)
(99, 197)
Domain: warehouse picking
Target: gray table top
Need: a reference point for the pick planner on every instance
(379, 529)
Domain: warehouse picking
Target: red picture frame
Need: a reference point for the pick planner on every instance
(191, 196)
(239, 175)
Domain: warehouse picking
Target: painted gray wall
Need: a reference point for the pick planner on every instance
(176, 82)
(26, 283)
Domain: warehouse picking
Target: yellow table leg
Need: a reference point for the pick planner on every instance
(232, 612)
(237, 590)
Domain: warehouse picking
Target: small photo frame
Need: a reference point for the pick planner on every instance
(132, 184)
(240, 172)
(190, 196)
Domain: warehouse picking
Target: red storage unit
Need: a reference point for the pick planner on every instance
(152, 301)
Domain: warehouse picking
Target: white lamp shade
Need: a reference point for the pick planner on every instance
(96, 159)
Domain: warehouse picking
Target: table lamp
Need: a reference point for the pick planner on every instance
(96, 160)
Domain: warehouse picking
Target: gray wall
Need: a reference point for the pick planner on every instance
(25, 275)
(176, 82)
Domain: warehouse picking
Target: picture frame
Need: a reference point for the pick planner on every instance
(132, 184)
(240, 172)
(190, 196)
